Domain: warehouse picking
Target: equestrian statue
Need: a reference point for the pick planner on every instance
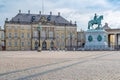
(96, 20)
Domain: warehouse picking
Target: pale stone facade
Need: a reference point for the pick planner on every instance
(1, 39)
(114, 38)
(56, 32)
(81, 39)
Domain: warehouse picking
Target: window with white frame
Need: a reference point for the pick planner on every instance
(10, 35)
(28, 35)
(15, 35)
(50, 34)
(22, 35)
(29, 44)
(15, 44)
(22, 44)
(9, 44)
(43, 34)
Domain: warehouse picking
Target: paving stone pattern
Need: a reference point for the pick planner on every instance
(60, 65)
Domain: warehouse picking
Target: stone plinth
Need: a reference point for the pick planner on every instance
(96, 40)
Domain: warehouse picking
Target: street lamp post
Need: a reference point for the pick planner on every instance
(39, 29)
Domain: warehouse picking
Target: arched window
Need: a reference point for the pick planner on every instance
(52, 45)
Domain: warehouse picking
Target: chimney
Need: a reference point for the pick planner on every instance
(75, 22)
(40, 12)
(28, 11)
(6, 19)
(58, 13)
(50, 13)
(19, 11)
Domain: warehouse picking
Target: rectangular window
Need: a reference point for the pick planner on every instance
(15, 35)
(10, 35)
(22, 35)
(22, 44)
(15, 44)
(43, 35)
(9, 44)
(2, 35)
(28, 35)
(29, 44)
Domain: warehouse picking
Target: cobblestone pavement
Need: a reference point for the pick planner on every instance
(60, 65)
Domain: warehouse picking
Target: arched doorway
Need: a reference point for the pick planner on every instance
(52, 45)
(44, 45)
(36, 45)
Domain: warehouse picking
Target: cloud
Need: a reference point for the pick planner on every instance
(113, 18)
(76, 10)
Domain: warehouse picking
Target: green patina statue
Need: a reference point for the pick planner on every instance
(96, 20)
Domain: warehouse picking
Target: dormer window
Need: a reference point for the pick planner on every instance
(49, 18)
(33, 19)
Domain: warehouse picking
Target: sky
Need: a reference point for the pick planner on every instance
(80, 11)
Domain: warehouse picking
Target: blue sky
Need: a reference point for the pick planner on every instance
(76, 10)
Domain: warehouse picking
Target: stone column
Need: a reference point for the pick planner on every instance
(116, 43)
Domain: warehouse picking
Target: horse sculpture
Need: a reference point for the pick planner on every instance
(95, 21)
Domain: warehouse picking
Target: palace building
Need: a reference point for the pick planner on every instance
(27, 31)
(2, 40)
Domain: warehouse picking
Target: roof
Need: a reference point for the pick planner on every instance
(26, 18)
(118, 29)
(106, 26)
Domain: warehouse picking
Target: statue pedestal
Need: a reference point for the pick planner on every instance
(96, 40)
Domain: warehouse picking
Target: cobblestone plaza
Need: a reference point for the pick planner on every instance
(60, 65)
